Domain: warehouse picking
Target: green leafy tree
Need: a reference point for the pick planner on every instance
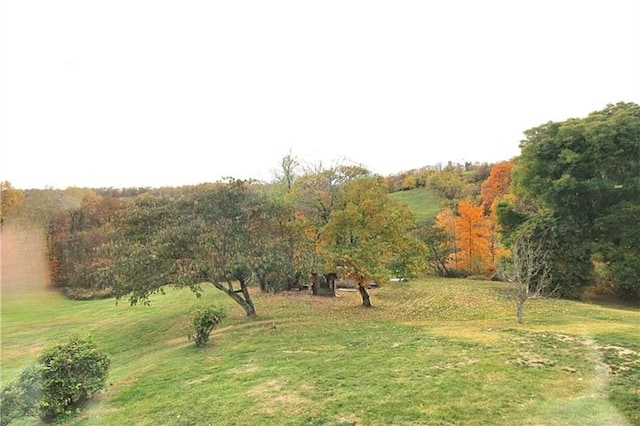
(583, 177)
(314, 193)
(412, 261)
(366, 231)
(212, 233)
(438, 247)
(313, 197)
(287, 255)
(619, 248)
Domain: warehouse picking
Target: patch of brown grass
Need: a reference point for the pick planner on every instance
(276, 396)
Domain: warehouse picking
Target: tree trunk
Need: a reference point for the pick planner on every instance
(520, 310)
(248, 303)
(244, 300)
(262, 280)
(250, 309)
(366, 301)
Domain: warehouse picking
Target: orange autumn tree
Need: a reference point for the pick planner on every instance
(473, 237)
(473, 229)
(495, 189)
(470, 233)
(497, 185)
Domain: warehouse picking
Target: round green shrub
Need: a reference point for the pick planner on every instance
(72, 372)
(65, 376)
(21, 397)
(204, 319)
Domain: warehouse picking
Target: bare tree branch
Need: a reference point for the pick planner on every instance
(529, 271)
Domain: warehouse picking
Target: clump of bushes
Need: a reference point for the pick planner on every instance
(204, 319)
(21, 398)
(65, 376)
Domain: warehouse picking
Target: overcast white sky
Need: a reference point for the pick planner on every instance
(119, 93)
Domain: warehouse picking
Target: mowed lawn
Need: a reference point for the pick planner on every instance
(424, 203)
(432, 351)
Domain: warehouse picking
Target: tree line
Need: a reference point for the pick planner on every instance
(576, 187)
(572, 197)
(573, 194)
(230, 234)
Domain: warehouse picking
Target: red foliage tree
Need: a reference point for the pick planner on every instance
(497, 185)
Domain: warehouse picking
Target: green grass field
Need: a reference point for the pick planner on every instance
(423, 203)
(432, 351)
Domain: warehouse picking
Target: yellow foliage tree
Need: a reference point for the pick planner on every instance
(365, 232)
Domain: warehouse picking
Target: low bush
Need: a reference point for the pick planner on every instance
(456, 273)
(21, 397)
(204, 320)
(72, 372)
(80, 293)
(65, 376)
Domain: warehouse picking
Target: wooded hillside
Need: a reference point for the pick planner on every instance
(575, 188)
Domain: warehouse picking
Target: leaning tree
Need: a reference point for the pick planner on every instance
(211, 233)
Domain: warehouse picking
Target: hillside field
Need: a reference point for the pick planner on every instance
(430, 351)
(422, 202)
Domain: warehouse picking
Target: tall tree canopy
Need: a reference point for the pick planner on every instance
(366, 231)
(583, 178)
(314, 197)
(213, 233)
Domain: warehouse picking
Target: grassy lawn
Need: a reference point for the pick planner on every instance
(423, 203)
(429, 352)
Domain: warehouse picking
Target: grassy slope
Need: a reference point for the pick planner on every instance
(430, 352)
(423, 203)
